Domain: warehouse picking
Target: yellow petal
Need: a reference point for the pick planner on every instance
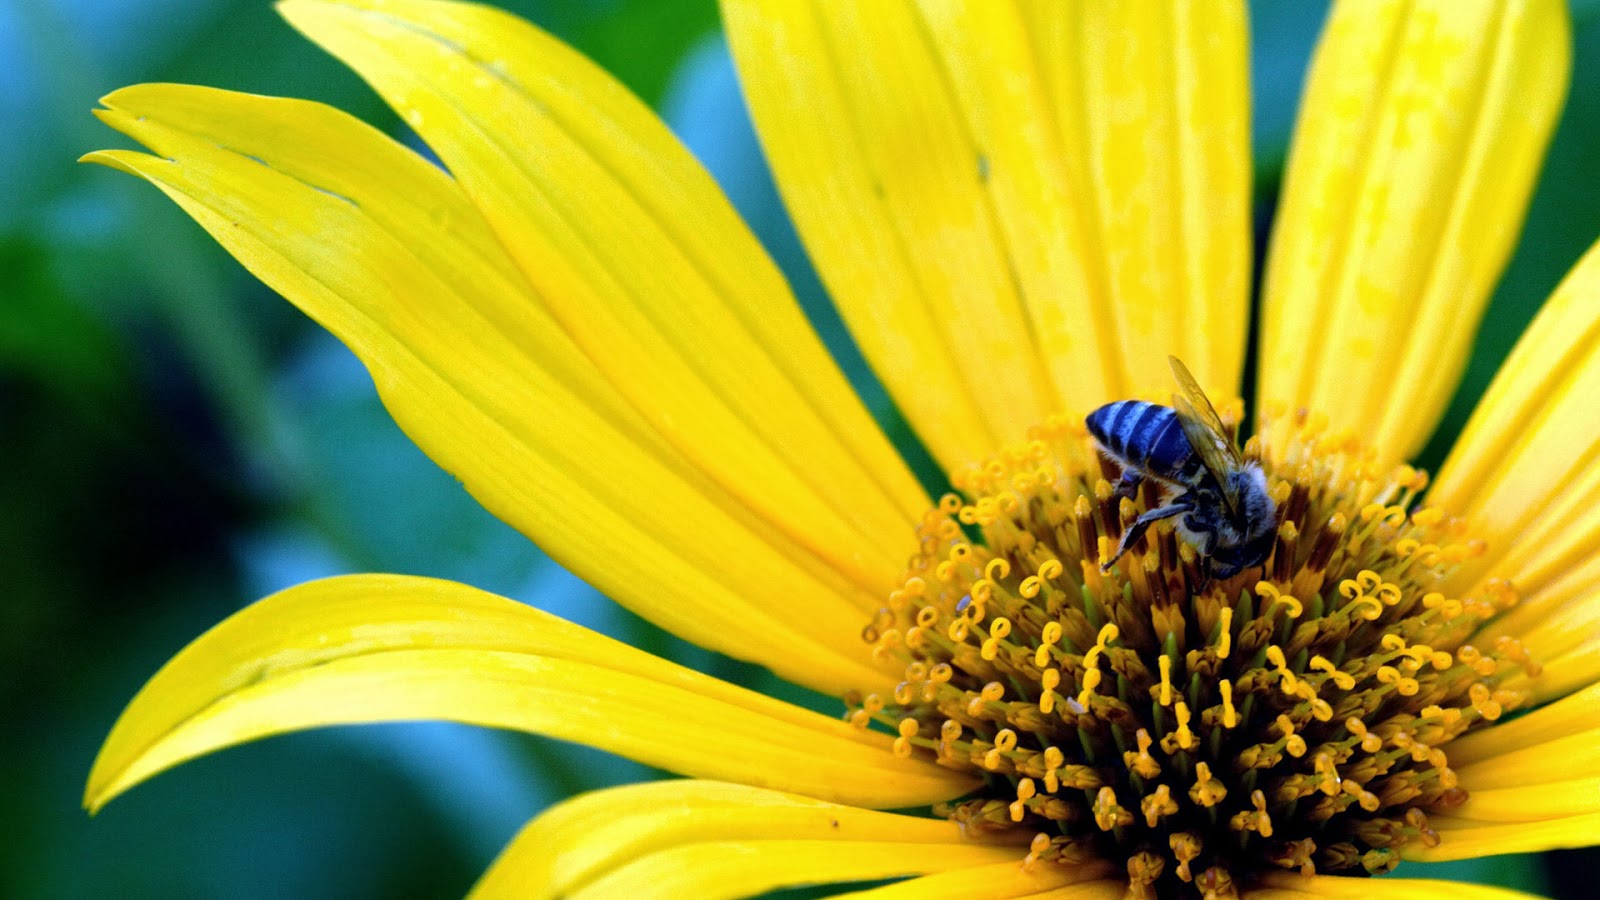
(576, 844)
(1104, 889)
(1524, 471)
(383, 249)
(1464, 839)
(1287, 885)
(1419, 138)
(373, 648)
(1571, 715)
(1150, 105)
(1557, 615)
(998, 882)
(1562, 759)
(1532, 802)
(730, 869)
(1016, 211)
(1574, 670)
(628, 243)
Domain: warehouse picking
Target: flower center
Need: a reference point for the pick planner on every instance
(1197, 731)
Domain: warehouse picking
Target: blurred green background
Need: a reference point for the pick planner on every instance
(175, 442)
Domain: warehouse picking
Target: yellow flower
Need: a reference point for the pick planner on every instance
(1021, 212)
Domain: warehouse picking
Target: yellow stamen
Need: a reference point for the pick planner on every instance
(1053, 760)
(1048, 637)
(1107, 814)
(1230, 717)
(1225, 639)
(1269, 592)
(1141, 761)
(1025, 665)
(1181, 738)
(1207, 791)
(1342, 680)
(1091, 680)
(1286, 678)
(999, 629)
(1323, 765)
(1185, 849)
(1157, 805)
(1258, 820)
(1049, 680)
(1294, 743)
(1025, 792)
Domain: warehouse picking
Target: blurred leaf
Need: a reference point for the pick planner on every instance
(52, 340)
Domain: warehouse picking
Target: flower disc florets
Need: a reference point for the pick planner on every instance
(1197, 732)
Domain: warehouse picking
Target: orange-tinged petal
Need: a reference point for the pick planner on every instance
(1016, 210)
(1419, 138)
(577, 843)
(998, 881)
(628, 243)
(1286, 886)
(371, 648)
(1466, 839)
(383, 249)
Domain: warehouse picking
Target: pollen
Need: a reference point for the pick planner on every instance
(1196, 733)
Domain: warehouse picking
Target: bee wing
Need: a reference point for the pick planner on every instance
(1204, 429)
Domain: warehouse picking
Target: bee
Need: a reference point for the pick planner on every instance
(1220, 501)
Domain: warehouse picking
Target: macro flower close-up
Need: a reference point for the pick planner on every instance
(1188, 621)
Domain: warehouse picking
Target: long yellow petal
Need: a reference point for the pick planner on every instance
(1557, 614)
(1150, 105)
(572, 846)
(1016, 211)
(631, 247)
(1571, 715)
(1104, 889)
(372, 648)
(998, 882)
(1465, 839)
(1574, 670)
(1524, 470)
(731, 869)
(1532, 802)
(1287, 885)
(1419, 138)
(383, 249)
(1562, 759)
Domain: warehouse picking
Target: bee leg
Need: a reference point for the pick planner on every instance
(1128, 484)
(1137, 529)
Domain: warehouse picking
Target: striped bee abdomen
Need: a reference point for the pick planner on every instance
(1148, 437)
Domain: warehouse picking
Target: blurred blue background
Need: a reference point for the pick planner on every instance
(175, 442)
